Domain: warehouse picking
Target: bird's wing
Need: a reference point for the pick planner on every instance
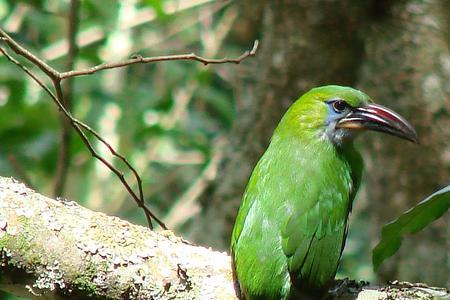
(246, 204)
(314, 235)
(312, 241)
(256, 254)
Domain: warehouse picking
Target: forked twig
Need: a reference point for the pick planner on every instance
(79, 126)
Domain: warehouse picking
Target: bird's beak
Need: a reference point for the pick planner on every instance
(379, 118)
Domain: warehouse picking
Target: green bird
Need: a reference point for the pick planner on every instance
(292, 223)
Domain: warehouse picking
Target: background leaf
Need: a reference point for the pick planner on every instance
(412, 221)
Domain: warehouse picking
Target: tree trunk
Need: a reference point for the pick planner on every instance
(397, 52)
(407, 67)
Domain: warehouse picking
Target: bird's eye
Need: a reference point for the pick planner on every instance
(339, 106)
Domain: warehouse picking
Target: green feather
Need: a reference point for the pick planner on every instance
(291, 226)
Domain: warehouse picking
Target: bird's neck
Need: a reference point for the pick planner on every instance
(310, 144)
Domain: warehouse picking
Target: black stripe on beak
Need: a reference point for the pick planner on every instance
(379, 118)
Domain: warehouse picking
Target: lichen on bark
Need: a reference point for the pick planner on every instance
(71, 251)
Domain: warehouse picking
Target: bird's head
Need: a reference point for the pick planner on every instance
(338, 113)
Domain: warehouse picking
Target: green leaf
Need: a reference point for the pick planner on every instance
(412, 221)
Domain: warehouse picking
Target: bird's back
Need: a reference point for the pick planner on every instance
(297, 199)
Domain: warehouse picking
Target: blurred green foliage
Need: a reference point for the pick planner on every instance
(163, 117)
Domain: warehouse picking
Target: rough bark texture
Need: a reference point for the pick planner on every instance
(396, 51)
(52, 249)
(407, 67)
(55, 248)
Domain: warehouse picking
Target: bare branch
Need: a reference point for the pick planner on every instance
(52, 73)
(79, 126)
(29, 73)
(137, 59)
(64, 156)
(59, 100)
(97, 256)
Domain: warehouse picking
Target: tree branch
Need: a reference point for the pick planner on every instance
(55, 247)
(52, 248)
(79, 126)
(137, 59)
(18, 49)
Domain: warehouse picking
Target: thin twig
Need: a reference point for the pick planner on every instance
(29, 73)
(18, 49)
(79, 126)
(64, 156)
(144, 60)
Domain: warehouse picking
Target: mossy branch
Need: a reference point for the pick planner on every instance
(55, 248)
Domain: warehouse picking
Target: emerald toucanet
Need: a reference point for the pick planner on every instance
(291, 227)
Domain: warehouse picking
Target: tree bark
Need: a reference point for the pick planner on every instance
(397, 52)
(54, 249)
(407, 67)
